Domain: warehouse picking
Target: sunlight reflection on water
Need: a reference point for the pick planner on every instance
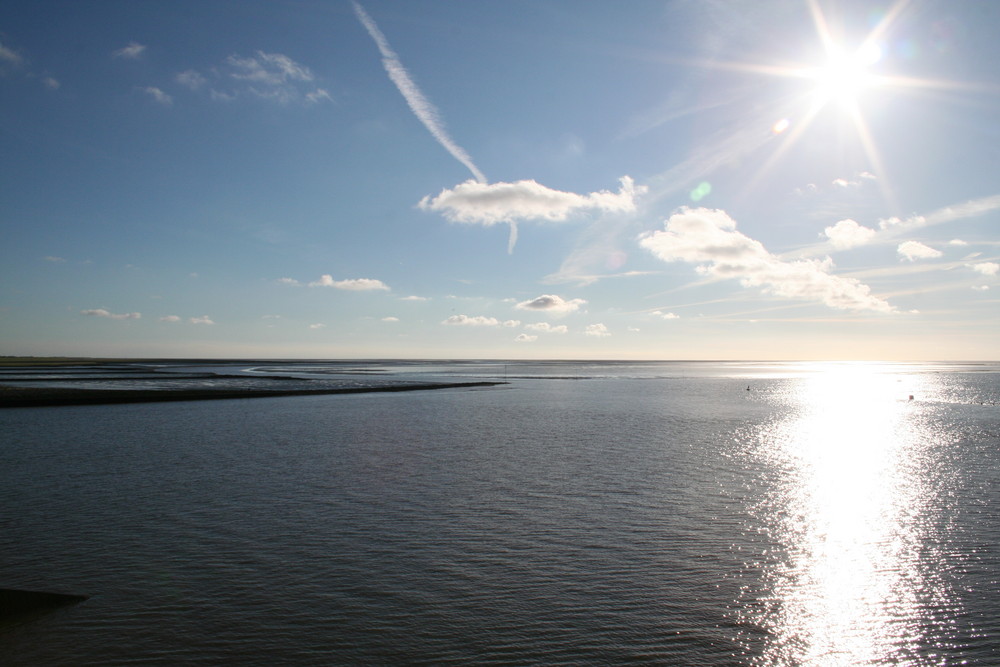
(852, 513)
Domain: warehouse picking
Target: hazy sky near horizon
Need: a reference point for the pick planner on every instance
(518, 179)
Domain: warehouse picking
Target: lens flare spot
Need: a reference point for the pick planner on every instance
(780, 126)
(703, 190)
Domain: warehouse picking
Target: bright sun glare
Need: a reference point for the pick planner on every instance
(845, 75)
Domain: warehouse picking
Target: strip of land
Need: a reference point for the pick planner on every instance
(30, 397)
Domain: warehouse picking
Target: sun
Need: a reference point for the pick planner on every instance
(845, 75)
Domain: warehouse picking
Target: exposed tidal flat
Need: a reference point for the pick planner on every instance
(602, 513)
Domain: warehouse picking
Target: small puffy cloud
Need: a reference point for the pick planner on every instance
(390, 318)
(190, 79)
(708, 238)
(958, 242)
(981, 288)
(51, 83)
(289, 281)
(848, 234)
(666, 316)
(525, 338)
(54, 259)
(351, 284)
(103, 312)
(841, 183)
(477, 321)
(490, 203)
(510, 324)
(914, 250)
(986, 268)
(487, 204)
(547, 328)
(130, 52)
(551, 303)
(597, 330)
(170, 318)
(158, 95)
(204, 319)
(317, 326)
(414, 298)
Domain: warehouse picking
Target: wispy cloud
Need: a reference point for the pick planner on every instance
(914, 250)
(414, 298)
(103, 312)
(51, 83)
(390, 318)
(351, 284)
(525, 338)
(54, 259)
(130, 52)
(270, 76)
(204, 319)
(422, 108)
(665, 316)
(552, 303)
(9, 56)
(190, 79)
(170, 318)
(158, 95)
(489, 204)
(476, 321)
(547, 328)
(709, 239)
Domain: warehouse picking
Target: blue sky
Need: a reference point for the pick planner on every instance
(537, 179)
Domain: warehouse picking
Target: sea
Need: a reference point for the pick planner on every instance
(582, 513)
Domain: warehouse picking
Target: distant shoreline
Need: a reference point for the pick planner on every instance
(30, 397)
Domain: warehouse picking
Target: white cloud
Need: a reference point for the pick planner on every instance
(709, 238)
(547, 328)
(170, 318)
(351, 284)
(414, 298)
(51, 83)
(958, 242)
(525, 338)
(190, 79)
(131, 52)
(317, 326)
(552, 303)
(510, 324)
(289, 281)
(103, 312)
(986, 268)
(848, 234)
(390, 318)
(981, 288)
(10, 56)
(204, 319)
(477, 321)
(421, 107)
(597, 330)
(489, 204)
(271, 69)
(914, 250)
(158, 95)
(53, 258)
(666, 316)
(317, 96)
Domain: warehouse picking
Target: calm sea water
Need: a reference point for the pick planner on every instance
(604, 513)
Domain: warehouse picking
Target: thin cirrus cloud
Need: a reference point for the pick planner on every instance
(158, 95)
(914, 250)
(170, 318)
(130, 52)
(552, 303)
(422, 108)
(104, 312)
(708, 238)
(204, 319)
(270, 76)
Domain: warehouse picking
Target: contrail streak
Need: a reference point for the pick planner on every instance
(426, 112)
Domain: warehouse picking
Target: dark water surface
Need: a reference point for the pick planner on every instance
(584, 513)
